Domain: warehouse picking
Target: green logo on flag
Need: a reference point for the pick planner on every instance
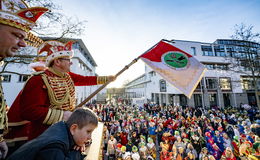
(176, 60)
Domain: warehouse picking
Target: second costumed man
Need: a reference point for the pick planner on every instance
(48, 96)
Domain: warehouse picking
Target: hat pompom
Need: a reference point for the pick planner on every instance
(37, 66)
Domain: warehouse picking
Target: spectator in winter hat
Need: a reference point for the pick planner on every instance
(227, 141)
(228, 154)
(204, 152)
(135, 154)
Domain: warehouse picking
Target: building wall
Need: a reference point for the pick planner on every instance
(12, 88)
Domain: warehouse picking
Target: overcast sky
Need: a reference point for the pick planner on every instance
(118, 31)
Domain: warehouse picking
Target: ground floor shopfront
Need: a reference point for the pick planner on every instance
(207, 99)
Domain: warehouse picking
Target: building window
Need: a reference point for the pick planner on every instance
(162, 85)
(248, 84)
(151, 74)
(222, 66)
(198, 100)
(200, 86)
(23, 78)
(6, 78)
(216, 66)
(211, 83)
(213, 100)
(210, 66)
(207, 51)
(225, 83)
(230, 51)
(193, 51)
(220, 51)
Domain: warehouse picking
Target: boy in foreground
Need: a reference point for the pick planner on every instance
(59, 141)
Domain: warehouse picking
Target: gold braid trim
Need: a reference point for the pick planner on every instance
(102, 79)
(47, 117)
(57, 72)
(61, 91)
(54, 102)
(56, 117)
(33, 40)
(53, 116)
(3, 115)
(13, 124)
(61, 116)
(15, 24)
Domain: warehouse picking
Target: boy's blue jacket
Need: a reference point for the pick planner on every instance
(56, 143)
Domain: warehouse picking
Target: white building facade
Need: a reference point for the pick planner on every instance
(83, 64)
(219, 87)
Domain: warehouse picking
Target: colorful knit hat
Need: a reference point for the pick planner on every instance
(119, 145)
(150, 140)
(123, 148)
(134, 149)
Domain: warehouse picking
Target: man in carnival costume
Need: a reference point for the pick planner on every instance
(48, 96)
(16, 20)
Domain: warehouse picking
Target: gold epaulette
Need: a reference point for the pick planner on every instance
(33, 40)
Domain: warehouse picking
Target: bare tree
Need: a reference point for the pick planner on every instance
(247, 60)
(244, 32)
(54, 23)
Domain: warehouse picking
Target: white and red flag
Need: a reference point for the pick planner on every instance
(177, 67)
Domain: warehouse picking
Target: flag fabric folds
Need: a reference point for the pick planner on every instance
(177, 67)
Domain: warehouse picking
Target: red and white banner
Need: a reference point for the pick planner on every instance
(177, 67)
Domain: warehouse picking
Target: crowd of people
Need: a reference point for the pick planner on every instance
(174, 132)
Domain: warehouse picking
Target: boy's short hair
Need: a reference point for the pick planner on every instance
(82, 117)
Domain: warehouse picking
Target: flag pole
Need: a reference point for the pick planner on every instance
(105, 84)
(120, 72)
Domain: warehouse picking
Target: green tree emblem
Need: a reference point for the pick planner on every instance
(175, 59)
